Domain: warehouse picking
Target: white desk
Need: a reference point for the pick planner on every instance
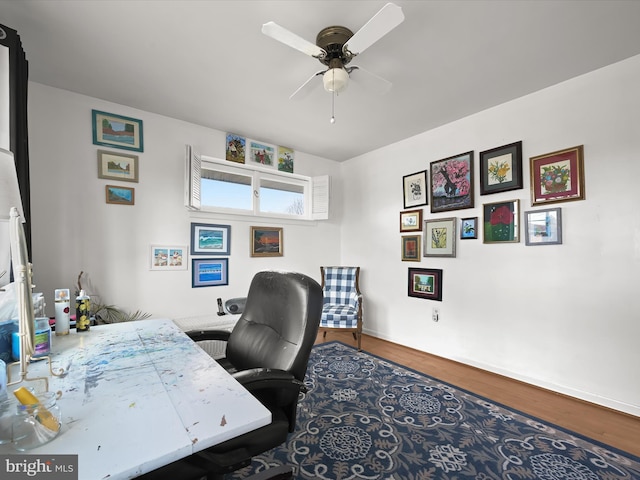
(140, 395)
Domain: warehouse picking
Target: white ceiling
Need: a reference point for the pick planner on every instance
(208, 63)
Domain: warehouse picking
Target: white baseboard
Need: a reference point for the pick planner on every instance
(571, 392)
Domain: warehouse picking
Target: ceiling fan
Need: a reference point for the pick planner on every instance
(336, 46)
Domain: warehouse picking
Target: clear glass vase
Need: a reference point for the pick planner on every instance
(37, 424)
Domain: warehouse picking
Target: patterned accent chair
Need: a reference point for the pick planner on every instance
(342, 303)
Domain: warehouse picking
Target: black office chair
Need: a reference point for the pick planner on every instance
(267, 351)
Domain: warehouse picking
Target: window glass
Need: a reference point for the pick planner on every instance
(226, 190)
(281, 197)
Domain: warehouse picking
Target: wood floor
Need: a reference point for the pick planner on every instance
(617, 429)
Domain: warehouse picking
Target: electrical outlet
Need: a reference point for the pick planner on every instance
(435, 314)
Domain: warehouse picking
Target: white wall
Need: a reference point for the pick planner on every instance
(565, 317)
(74, 229)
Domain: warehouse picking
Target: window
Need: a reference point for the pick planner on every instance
(218, 186)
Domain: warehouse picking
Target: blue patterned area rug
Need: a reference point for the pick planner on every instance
(365, 418)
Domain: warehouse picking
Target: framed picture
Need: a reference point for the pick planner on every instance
(116, 131)
(469, 228)
(207, 239)
(117, 166)
(440, 237)
(168, 257)
(411, 248)
(209, 272)
(501, 169)
(425, 283)
(557, 176)
(285, 159)
(262, 154)
(452, 183)
(119, 195)
(266, 242)
(414, 187)
(543, 227)
(411, 221)
(501, 222)
(235, 148)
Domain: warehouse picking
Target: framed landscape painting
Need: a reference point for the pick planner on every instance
(543, 227)
(425, 283)
(119, 195)
(210, 239)
(117, 166)
(266, 242)
(452, 183)
(209, 272)
(116, 131)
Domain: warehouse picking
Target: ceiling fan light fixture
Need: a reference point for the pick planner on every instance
(335, 80)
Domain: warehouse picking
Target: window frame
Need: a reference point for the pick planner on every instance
(315, 189)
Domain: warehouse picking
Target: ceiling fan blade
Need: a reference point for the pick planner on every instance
(306, 87)
(275, 31)
(369, 81)
(388, 18)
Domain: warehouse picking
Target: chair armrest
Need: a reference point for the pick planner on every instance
(201, 335)
(355, 300)
(268, 378)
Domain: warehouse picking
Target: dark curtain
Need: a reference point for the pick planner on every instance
(19, 138)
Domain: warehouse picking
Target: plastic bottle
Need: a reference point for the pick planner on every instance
(42, 337)
(3, 382)
(83, 312)
(62, 311)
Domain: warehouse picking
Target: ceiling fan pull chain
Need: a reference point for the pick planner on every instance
(333, 102)
(333, 117)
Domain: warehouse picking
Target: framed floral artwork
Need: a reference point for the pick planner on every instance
(468, 228)
(543, 227)
(452, 183)
(557, 176)
(501, 222)
(411, 248)
(425, 283)
(414, 187)
(440, 237)
(501, 169)
(285, 159)
(411, 221)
